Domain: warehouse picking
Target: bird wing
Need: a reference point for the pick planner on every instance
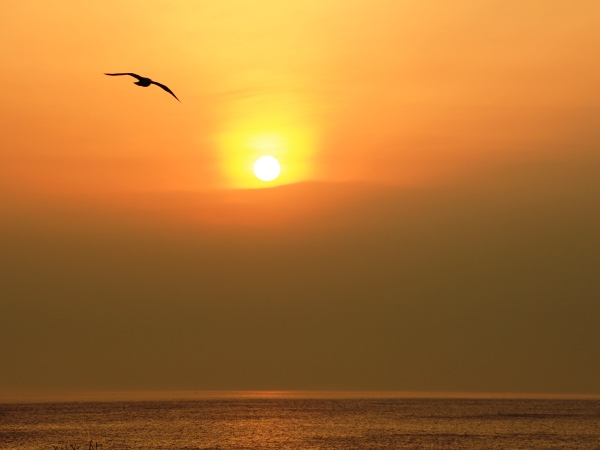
(166, 89)
(130, 74)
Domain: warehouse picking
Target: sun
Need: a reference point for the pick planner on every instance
(267, 168)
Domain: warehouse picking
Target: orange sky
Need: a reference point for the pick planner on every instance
(385, 91)
(406, 131)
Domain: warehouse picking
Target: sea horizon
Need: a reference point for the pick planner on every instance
(60, 396)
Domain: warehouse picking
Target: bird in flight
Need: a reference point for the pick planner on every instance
(144, 82)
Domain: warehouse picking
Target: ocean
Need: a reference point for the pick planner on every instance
(302, 423)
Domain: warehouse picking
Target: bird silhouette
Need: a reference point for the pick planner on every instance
(144, 82)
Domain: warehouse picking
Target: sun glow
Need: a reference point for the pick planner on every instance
(290, 148)
(267, 168)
